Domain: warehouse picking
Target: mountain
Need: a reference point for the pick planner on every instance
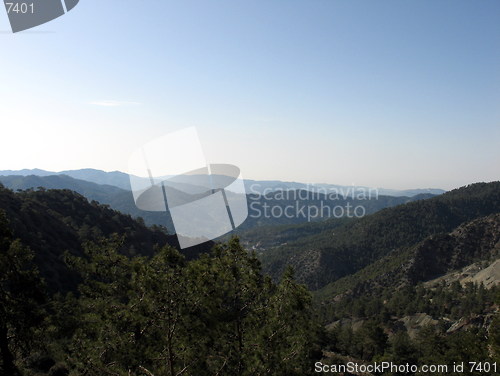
(93, 191)
(338, 251)
(441, 293)
(116, 178)
(435, 259)
(26, 172)
(121, 180)
(262, 187)
(429, 299)
(117, 198)
(131, 304)
(52, 222)
(401, 285)
(321, 251)
(264, 236)
(262, 209)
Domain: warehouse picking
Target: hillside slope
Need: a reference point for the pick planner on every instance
(436, 259)
(119, 199)
(334, 253)
(398, 309)
(55, 221)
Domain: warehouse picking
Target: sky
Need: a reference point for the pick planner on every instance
(394, 94)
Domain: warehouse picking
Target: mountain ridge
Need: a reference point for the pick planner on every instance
(54, 221)
(121, 180)
(430, 259)
(123, 200)
(322, 258)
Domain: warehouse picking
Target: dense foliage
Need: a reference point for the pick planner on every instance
(159, 315)
(85, 290)
(467, 329)
(51, 222)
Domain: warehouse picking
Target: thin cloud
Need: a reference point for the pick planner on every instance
(113, 103)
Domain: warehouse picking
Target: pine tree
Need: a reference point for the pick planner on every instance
(22, 300)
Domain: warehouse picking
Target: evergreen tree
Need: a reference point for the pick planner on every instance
(22, 300)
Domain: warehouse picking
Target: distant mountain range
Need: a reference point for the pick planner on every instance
(121, 180)
(276, 185)
(115, 178)
(122, 200)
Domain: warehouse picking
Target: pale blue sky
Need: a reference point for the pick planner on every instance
(399, 94)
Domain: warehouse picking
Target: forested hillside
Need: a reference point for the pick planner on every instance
(435, 256)
(117, 198)
(157, 315)
(52, 222)
(396, 310)
(86, 290)
(420, 299)
(342, 250)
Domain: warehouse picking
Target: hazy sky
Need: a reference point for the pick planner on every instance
(398, 94)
